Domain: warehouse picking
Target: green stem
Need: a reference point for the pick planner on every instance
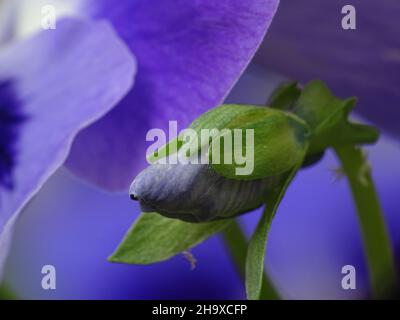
(237, 245)
(376, 240)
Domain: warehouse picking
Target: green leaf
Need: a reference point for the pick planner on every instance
(257, 246)
(237, 246)
(285, 96)
(154, 238)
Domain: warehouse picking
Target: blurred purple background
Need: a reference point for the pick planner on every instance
(74, 227)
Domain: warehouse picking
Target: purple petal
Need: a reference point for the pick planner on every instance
(307, 41)
(64, 79)
(73, 226)
(190, 53)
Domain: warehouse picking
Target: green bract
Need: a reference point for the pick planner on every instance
(279, 139)
(285, 96)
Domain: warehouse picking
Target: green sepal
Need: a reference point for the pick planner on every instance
(167, 149)
(154, 238)
(328, 116)
(279, 139)
(285, 96)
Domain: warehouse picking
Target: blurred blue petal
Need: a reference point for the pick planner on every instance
(190, 54)
(75, 227)
(63, 79)
(306, 41)
(8, 12)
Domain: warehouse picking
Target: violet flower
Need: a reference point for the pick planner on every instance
(189, 53)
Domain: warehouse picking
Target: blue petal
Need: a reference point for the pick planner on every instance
(64, 80)
(190, 54)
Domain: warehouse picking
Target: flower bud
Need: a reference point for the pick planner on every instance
(196, 192)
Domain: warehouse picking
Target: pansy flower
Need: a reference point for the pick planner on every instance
(57, 83)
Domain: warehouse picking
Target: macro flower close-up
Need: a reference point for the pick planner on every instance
(199, 150)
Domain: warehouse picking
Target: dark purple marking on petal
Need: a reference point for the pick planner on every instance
(11, 118)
